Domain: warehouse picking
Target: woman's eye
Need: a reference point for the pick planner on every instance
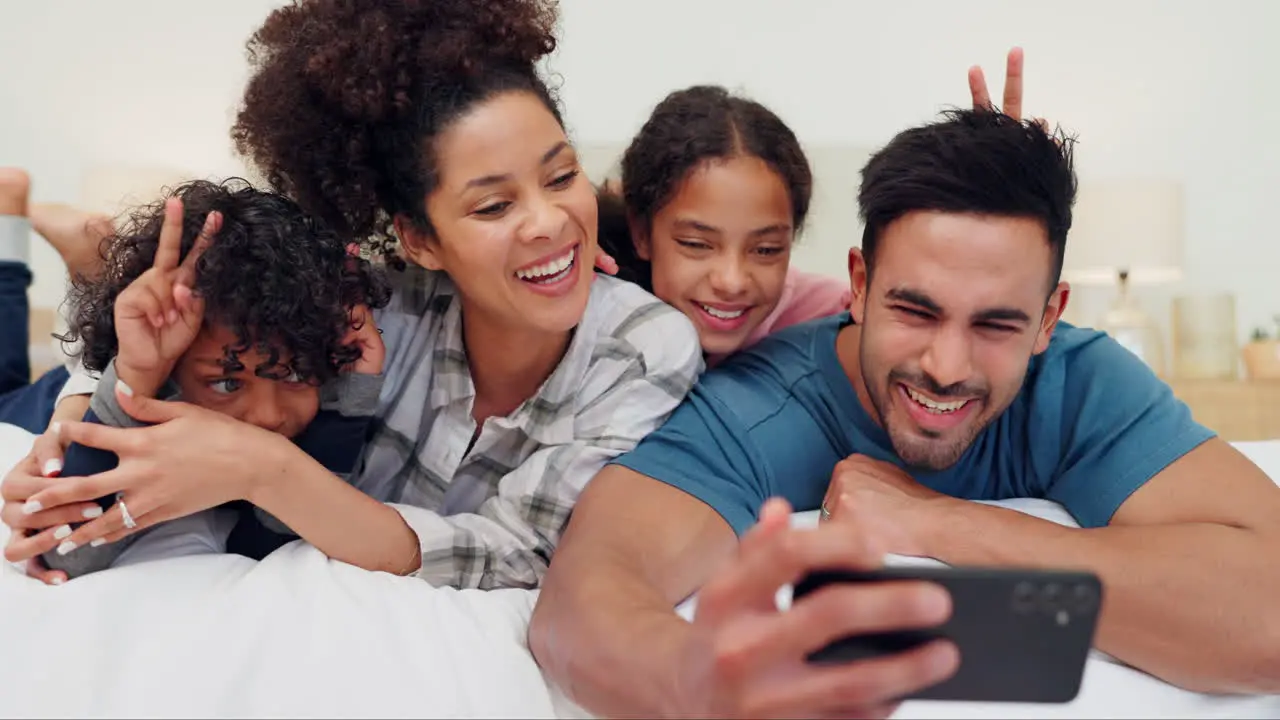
(494, 209)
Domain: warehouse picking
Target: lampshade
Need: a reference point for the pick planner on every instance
(1132, 224)
(113, 189)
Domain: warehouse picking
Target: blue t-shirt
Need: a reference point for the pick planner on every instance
(1090, 425)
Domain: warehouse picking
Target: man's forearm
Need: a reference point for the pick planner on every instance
(611, 645)
(1193, 604)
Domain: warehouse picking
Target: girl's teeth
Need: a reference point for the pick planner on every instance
(723, 314)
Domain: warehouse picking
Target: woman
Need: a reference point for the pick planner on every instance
(512, 373)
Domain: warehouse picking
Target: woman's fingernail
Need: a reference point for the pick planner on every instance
(63, 531)
(91, 513)
(96, 542)
(123, 388)
(32, 507)
(66, 547)
(52, 467)
(57, 580)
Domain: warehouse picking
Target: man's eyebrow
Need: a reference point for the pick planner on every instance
(914, 297)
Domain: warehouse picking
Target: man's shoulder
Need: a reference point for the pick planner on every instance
(777, 372)
(1079, 357)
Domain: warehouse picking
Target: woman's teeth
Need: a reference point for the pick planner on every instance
(722, 314)
(934, 406)
(551, 271)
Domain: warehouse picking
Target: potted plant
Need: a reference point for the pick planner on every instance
(1262, 354)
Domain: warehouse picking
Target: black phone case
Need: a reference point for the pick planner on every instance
(1023, 635)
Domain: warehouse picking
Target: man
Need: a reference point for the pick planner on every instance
(951, 379)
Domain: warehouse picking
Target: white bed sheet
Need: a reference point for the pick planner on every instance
(299, 635)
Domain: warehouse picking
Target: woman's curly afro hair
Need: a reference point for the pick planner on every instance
(347, 96)
(279, 279)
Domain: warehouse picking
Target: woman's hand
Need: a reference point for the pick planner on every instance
(32, 534)
(189, 459)
(158, 316)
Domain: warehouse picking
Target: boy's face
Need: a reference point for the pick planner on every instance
(280, 406)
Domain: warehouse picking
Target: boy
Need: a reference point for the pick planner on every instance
(232, 299)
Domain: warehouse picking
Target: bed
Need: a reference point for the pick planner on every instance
(299, 635)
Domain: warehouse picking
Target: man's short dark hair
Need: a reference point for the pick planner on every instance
(972, 161)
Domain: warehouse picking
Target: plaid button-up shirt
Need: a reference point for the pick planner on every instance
(491, 517)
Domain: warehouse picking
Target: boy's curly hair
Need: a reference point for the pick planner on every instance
(278, 278)
(346, 98)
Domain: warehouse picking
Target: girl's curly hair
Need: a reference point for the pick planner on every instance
(688, 128)
(279, 279)
(347, 96)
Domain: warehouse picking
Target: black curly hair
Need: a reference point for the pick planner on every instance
(347, 96)
(688, 128)
(278, 278)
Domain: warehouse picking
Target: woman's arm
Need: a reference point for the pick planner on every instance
(191, 459)
(339, 520)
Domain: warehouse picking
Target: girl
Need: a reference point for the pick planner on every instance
(512, 372)
(715, 189)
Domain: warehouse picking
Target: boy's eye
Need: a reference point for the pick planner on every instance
(293, 378)
(226, 386)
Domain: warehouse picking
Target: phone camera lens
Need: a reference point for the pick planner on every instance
(1083, 598)
(1024, 597)
(1051, 597)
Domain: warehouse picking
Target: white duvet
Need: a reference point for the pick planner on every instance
(299, 635)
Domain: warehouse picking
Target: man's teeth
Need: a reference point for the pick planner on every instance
(722, 314)
(935, 406)
(548, 271)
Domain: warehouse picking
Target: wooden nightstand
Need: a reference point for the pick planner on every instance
(1238, 410)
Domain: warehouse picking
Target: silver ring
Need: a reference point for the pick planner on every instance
(824, 513)
(124, 513)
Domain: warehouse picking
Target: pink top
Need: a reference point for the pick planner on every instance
(805, 297)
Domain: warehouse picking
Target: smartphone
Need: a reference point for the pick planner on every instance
(1023, 635)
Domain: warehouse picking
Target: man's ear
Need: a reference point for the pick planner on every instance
(640, 238)
(419, 245)
(1052, 314)
(859, 279)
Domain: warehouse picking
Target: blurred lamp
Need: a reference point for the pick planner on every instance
(1127, 233)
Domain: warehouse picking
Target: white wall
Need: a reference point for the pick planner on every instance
(1154, 87)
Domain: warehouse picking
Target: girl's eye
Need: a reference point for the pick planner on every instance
(564, 180)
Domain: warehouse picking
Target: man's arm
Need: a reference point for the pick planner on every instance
(1189, 563)
(604, 627)
(605, 630)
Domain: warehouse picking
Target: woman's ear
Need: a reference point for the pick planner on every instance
(419, 245)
